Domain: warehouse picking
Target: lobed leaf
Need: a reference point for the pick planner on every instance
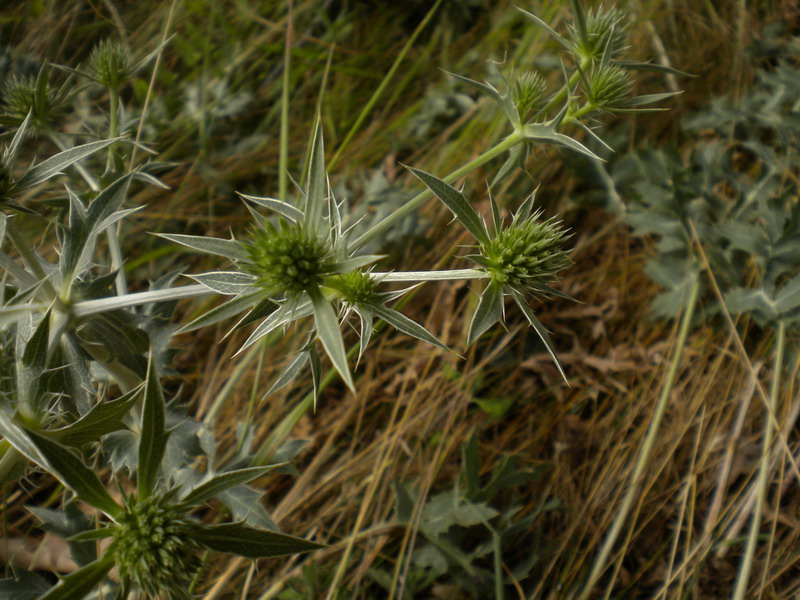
(80, 583)
(222, 482)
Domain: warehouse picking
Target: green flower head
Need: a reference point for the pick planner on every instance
(357, 288)
(288, 259)
(109, 64)
(528, 92)
(605, 35)
(527, 255)
(22, 95)
(152, 548)
(609, 87)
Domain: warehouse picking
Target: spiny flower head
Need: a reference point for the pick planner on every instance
(528, 91)
(609, 86)
(109, 64)
(27, 94)
(527, 255)
(605, 29)
(153, 549)
(288, 259)
(357, 288)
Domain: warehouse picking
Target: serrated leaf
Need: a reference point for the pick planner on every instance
(644, 66)
(228, 283)
(153, 439)
(489, 311)
(222, 482)
(238, 539)
(80, 583)
(289, 372)
(486, 88)
(70, 470)
(56, 164)
(316, 374)
(540, 331)
(103, 418)
(330, 335)
(286, 210)
(245, 506)
(456, 202)
(366, 317)
(402, 323)
(230, 249)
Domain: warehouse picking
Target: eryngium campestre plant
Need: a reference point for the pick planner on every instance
(152, 548)
(35, 96)
(288, 259)
(528, 255)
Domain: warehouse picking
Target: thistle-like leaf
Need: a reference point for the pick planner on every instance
(228, 248)
(330, 335)
(79, 584)
(222, 482)
(228, 283)
(317, 181)
(456, 202)
(73, 473)
(235, 538)
(540, 331)
(489, 311)
(286, 210)
(153, 437)
(402, 323)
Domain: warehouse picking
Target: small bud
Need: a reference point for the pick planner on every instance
(527, 255)
(529, 89)
(605, 33)
(288, 259)
(109, 64)
(357, 288)
(609, 86)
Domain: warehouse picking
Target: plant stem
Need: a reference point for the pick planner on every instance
(599, 566)
(417, 201)
(445, 275)
(743, 577)
(91, 307)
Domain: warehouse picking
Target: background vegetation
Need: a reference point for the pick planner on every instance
(442, 471)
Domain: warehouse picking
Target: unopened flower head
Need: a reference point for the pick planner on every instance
(357, 288)
(153, 549)
(288, 259)
(527, 255)
(529, 90)
(21, 96)
(109, 64)
(605, 33)
(609, 87)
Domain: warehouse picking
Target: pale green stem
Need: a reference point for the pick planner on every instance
(562, 93)
(417, 201)
(743, 577)
(91, 307)
(599, 566)
(384, 83)
(113, 124)
(446, 275)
